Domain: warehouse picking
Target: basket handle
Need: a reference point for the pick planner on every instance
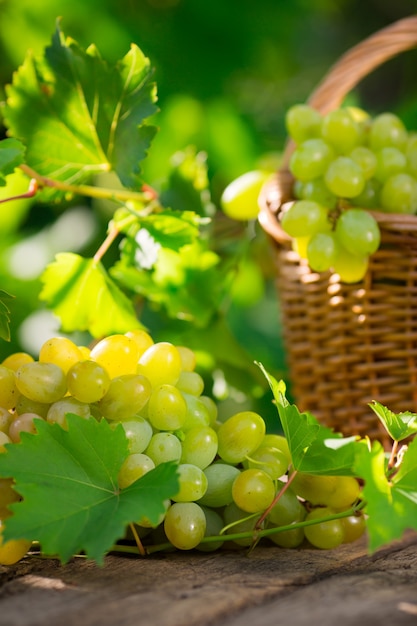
(345, 74)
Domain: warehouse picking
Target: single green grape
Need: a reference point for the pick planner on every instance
(125, 397)
(303, 122)
(58, 411)
(197, 412)
(311, 159)
(239, 200)
(192, 482)
(387, 129)
(188, 358)
(271, 460)
(239, 521)
(214, 525)
(239, 436)
(164, 447)
(366, 159)
(190, 382)
(42, 382)
(199, 446)
(9, 392)
(23, 423)
(344, 177)
(315, 190)
(253, 490)
(351, 268)
(325, 535)
(134, 467)
(399, 194)
(117, 354)
(161, 364)
(220, 479)
(15, 360)
(167, 409)
(61, 351)
(340, 130)
(389, 161)
(142, 339)
(185, 525)
(321, 251)
(88, 381)
(138, 433)
(358, 232)
(277, 441)
(304, 218)
(6, 418)
(354, 526)
(370, 196)
(287, 509)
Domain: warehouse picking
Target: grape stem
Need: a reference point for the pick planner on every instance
(139, 544)
(275, 500)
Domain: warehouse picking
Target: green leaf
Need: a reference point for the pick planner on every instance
(71, 498)
(83, 296)
(391, 505)
(4, 315)
(78, 116)
(315, 449)
(398, 425)
(12, 154)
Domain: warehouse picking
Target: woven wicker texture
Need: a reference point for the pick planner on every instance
(347, 345)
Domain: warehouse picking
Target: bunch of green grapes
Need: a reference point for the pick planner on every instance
(229, 471)
(345, 164)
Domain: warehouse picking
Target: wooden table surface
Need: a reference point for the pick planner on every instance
(270, 587)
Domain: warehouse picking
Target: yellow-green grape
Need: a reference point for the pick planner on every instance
(277, 441)
(144, 521)
(142, 339)
(15, 360)
(188, 358)
(26, 405)
(214, 525)
(239, 200)
(58, 411)
(88, 381)
(253, 490)
(9, 392)
(191, 382)
(344, 177)
(303, 122)
(287, 538)
(117, 354)
(138, 433)
(4, 439)
(14, 550)
(134, 467)
(167, 409)
(321, 251)
(390, 161)
(161, 364)
(351, 268)
(164, 447)
(23, 423)
(42, 382)
(239, 521)
(358, 232)
(354, 526)
(199, 446)
(299, 245)
(7, 496)
(271, 460)
(192, 482)
(126, 396)
(340, 130)
(337, 492)
(185, 525)
(211, 408)
(311, 159)
(366, 159)
(325, 535)
(240, 435)
(197, 412)
(61, 351)
(220, 479)
(6, 418)
(304, 218)
(286, 511)
(387, 129)
(399, 194)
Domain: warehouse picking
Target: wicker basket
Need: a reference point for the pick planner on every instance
(349, 344)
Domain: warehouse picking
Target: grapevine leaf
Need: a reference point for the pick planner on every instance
(68, 482)
(314, 448)
(84, 297)
(12, 154)
(391, 505)
(79, 116)
(4, 315)
(398, 425)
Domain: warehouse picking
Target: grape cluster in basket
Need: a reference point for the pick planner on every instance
(229, 471)
(346, 164)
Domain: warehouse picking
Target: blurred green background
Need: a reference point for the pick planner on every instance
(226, 72)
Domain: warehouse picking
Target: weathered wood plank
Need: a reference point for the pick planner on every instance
(226, 588)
